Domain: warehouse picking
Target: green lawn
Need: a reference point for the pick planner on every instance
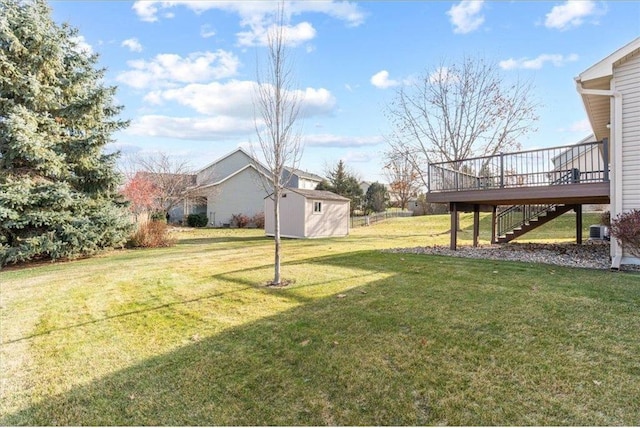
(190, 335)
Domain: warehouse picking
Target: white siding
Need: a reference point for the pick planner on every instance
(291, 216)
(305, 183)
(241, 194)
(223, 168)
(627, 82)
(333, 220)
(297, 219)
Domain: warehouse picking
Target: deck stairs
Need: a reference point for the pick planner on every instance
(516, 220)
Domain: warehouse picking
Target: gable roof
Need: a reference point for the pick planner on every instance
(230, 176)
(598, 77)
(604, 67)
(303, 174)
(239, 149)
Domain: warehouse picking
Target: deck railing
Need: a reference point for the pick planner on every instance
(580, 163)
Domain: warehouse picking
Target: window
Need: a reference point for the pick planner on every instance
(317, 207)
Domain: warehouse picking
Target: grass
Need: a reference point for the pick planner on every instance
(190, 335)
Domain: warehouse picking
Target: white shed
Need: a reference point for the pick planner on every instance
(308, 214)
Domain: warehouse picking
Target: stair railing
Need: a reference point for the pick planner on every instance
(517, 216)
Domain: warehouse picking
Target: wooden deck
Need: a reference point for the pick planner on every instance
(568, 176)
(567, 194)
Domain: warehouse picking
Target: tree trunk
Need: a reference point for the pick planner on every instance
(276, 235)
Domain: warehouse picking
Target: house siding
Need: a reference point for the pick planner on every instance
(627, 81)
(240, 194)
(223, 168)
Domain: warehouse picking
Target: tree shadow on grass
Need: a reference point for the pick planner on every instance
(294, 368)
(379, 355)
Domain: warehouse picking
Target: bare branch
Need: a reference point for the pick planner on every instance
(460, 111)
(276, 109)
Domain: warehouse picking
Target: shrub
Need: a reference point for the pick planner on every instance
(240, 220)
(605, 218)
(258, 220)
(152, 234)
(159, 216)
(197, 220)
(625, 227)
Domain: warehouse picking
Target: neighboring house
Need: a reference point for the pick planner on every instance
(577, 162)
(299, 179)
(364, 185)
(610, 91)
(309, 214)
(233, 184)
(579, 158)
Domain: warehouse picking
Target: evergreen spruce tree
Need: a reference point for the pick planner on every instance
(344, 184)
(58, 190)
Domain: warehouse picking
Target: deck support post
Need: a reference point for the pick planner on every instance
(453, 208)
(476, 224)
(578, 210)
(494, 219)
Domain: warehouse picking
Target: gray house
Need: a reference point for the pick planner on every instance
(234, 184)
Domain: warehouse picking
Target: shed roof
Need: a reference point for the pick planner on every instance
(324, 195)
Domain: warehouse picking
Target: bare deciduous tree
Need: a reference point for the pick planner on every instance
(171, 178)
(402, 174)
(460, 111)
(277, 105)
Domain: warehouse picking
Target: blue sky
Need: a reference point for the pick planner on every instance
(185, 69)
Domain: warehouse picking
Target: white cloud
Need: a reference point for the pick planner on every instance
(168, 69)
(133, 44)
(293, 35)
(581, 126)
(443, 75)
(81, 45)
(330, 140)
(235, 98)
(571, 14)
(359, 157)
(537, 63)
(206, 31)
(381, 80)
(190, 128)
(465, 16)
(257, 16)
(146, 10)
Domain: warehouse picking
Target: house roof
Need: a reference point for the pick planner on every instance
(230, 176)
(304, 174)
(598, 77)
(324, 195)
(574, 151)
(239, 149)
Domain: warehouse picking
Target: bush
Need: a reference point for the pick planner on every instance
(152, 234)
(625, 227)
(159, 216)
(258, 220)
(240, 220)
(605, 218)
(197, 220)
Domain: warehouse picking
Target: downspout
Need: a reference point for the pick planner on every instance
(616, 142)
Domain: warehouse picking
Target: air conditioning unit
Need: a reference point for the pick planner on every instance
(598, 232)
